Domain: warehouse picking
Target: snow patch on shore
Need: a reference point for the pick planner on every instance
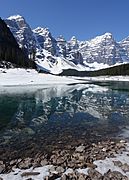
(23, 77)
(103, 166)
(17, 77)
(17, 174)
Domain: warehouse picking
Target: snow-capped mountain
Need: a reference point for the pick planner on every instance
(10, 53)
(55, 54)
(103, 49)
(125, 46)
(22, 32)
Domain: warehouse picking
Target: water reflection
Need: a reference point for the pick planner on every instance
(50, 113)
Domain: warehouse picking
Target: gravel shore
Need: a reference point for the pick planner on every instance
(103, 160)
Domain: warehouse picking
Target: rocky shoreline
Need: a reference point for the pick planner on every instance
(80, 162)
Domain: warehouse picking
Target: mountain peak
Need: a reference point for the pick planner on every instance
(73, 38)
(15, 17)
(108, 35)
(19, 20)
(38, 29)
(102, 38)
(60, 38)
(42, 31)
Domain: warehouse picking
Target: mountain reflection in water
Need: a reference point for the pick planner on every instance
(62, 113)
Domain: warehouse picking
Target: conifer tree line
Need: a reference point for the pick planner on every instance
(9, 49)
(112, 71)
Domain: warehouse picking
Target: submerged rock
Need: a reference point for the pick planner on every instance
(25, 164)
(114, 175)
(43, 162)
(80, 149)
(94, 174)
(2, 166)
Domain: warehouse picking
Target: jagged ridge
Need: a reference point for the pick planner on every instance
(54, 55)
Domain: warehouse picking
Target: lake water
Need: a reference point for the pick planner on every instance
(34, 119)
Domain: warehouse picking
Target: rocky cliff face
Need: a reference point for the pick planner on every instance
(10, 53)
(54, 54)
(103, 49)
(22, 32)
(125, 47)
(45, 39)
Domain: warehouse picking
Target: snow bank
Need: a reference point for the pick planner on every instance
(107, 164)
(18, 174)
(15, 77)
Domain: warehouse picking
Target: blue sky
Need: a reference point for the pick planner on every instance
(83, 18)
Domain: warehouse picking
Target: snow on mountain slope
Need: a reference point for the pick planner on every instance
(55, 65)
(125, 45)
(54, 55)
(102, 49)
(54, 58)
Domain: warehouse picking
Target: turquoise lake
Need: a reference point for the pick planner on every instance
(58, 116)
